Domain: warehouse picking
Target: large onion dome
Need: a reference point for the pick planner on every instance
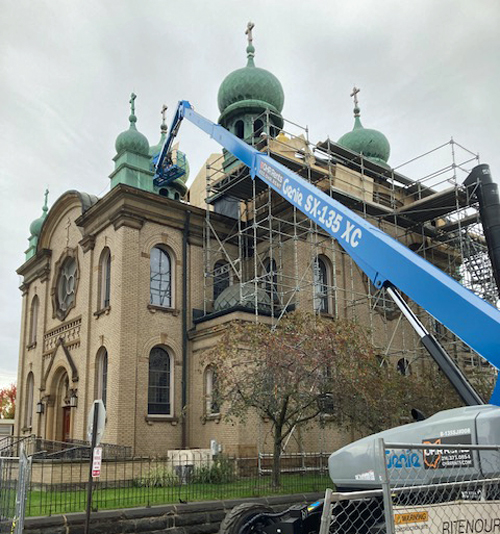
(370, 143)
(250, 89)
(132, 140)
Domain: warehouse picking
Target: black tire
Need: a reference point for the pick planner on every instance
(240, 515)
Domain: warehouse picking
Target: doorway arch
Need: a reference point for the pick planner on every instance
(60, 425)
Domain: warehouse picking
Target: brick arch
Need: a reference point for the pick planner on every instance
(161, 240)
(59, 212)
(159, 341)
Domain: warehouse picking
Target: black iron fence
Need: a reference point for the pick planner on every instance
(58, 485)
(72, 449)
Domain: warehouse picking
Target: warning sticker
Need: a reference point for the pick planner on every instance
(411, 517)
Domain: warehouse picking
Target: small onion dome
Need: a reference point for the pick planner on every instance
(243, 296)
(36, 225)
(370, 143)
(250, 88)
(132, 140)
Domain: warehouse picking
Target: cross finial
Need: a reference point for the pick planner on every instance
(133, 96)
(46, 195)
(355, 91)
(248, 32)
(163, 126)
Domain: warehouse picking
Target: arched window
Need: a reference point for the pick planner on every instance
(258, 127)
(221, 278)
(104, 278)
(30, 387)
(271, 279)
(211, 394)
(239, 129)
(160, 382)
(161, 278)
(101, 375)
(33, 320)
(320, 273)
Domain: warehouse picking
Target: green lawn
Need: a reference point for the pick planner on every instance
(61, 502)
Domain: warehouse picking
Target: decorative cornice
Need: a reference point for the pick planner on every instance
(37, 267)
(124, 218)
(87, 243)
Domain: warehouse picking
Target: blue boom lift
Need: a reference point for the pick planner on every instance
(389, 265)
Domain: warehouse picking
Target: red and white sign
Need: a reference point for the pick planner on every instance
(96, 462)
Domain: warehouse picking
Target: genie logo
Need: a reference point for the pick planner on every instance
(402, 459)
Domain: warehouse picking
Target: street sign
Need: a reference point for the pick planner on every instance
(101, 421)
(96, 462)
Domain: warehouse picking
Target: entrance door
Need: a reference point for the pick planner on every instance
(66, 426)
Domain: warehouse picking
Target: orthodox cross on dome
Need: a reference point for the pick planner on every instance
(133, 96)
(45, 208)
(248, 32)
(163, 117)
(354, 94)
(355, 91)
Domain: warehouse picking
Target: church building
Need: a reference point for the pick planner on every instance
(122, 294)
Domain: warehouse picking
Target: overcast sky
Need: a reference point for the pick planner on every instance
(428, 70)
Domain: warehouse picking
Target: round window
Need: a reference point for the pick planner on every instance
(66, 285)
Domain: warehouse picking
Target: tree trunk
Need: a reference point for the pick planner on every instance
(276, 472)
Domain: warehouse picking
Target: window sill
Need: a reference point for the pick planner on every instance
(103, 311)
(216, 417)
(172, 311)
(150, 419)
(31, 346)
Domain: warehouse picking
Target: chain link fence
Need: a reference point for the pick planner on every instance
(14, 483)
(439, 486)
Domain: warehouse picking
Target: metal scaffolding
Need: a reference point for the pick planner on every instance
(267, 258)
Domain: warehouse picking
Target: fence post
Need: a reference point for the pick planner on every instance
(23, 482)
(386, 488)
(326, 515)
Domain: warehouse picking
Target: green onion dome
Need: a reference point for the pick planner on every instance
(250, 89)
(36, 225)
(132, 140)
(370, 143)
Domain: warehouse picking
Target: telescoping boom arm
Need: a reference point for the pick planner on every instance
(385, 261)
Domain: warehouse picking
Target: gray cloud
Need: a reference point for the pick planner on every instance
(428, 70)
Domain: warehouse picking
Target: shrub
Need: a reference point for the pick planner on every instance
(219, 472)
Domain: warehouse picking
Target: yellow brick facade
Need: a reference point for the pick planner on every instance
(60, 371)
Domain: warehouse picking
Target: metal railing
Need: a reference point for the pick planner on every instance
(59, 485)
